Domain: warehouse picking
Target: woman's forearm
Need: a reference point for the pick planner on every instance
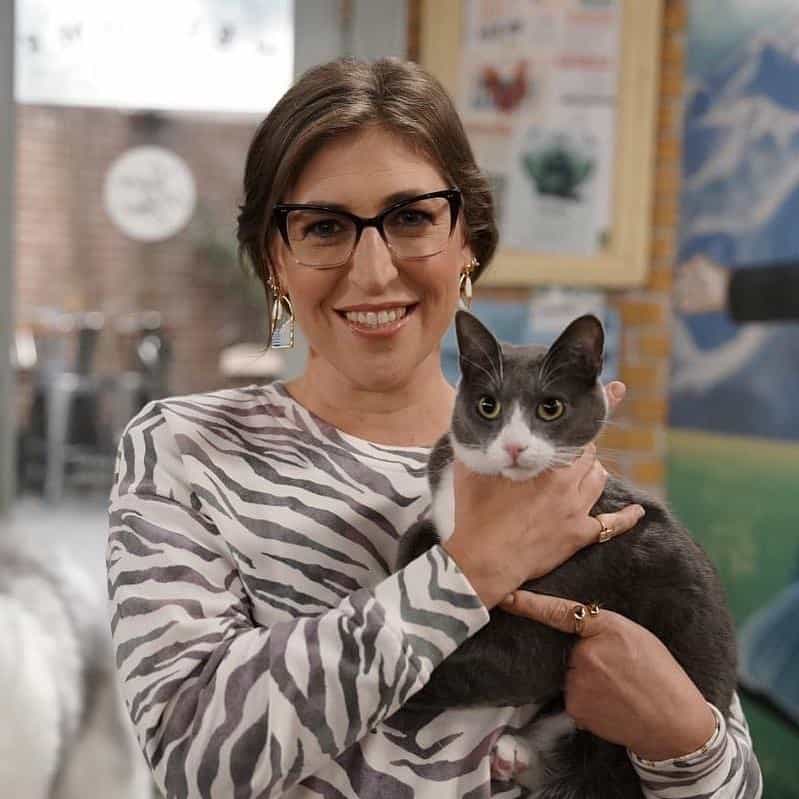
(725, 768)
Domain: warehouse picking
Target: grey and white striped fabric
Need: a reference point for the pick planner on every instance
(263, 647)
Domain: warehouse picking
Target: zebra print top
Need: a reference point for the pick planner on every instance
(265, 649)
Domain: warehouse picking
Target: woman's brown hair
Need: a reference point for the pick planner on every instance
(342, 97)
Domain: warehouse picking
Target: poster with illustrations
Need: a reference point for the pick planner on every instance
(538, 97)
(734, 442)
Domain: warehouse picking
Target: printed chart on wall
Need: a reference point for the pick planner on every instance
(734, 444)
(538, 97)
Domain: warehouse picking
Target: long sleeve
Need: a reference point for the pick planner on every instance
(767, 293)
(725, 768)
(223, 706)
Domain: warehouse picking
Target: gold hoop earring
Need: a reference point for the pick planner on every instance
(465, 283)
(281, 321)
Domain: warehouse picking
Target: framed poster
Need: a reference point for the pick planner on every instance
(559, 99)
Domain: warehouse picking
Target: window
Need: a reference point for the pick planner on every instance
(198, 55)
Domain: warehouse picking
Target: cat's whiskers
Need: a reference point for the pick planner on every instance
(497, 365)
(558, 462)
(612, 450)
(575, 449)
(495, 379)
(565, 456)
(611, 455)
(548, 374)
(622, 425)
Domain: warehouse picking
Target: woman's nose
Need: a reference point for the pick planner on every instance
(372, 267)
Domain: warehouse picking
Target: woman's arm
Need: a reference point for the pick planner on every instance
(625, 686)
(221, 705)
(724, 768)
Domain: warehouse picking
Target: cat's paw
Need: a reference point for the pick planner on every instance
(521, 758)
(509, 758)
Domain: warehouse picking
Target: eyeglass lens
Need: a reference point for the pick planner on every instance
(326, 238)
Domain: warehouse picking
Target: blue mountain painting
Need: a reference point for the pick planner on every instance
(740, 205)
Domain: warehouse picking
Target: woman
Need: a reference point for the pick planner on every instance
(264, 647)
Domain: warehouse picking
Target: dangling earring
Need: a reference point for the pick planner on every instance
(281, 322)
(465, 283)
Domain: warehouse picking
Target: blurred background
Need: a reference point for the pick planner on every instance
(123, 133)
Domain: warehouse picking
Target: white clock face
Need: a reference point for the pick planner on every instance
(149, 193)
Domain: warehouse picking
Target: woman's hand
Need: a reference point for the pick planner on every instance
(622, 683)
(508, 532)
(614, 393)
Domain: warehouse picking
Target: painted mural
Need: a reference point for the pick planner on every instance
(734, 444)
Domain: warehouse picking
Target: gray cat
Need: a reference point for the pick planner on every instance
(64, 733)
(518, 411)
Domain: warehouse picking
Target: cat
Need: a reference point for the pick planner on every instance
(519, 411)
(64, 733)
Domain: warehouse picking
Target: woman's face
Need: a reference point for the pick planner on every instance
(363, 173)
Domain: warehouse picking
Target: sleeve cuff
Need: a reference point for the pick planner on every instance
(706, 753)
(431, 605)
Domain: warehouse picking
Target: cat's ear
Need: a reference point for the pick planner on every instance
(479, 352)
(580, 346)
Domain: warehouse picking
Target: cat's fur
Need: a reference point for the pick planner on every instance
(655, 574)
(63, 730)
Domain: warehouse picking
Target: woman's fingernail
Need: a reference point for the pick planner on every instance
(509, 599)
(639, 511)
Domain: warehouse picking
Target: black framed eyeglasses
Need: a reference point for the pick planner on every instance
(324, 238)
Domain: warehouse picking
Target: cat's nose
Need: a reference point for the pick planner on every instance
(514, 450)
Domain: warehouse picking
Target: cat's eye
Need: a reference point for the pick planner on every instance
(488, 407)
(550, 409)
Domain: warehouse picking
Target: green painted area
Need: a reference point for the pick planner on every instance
(740, 499)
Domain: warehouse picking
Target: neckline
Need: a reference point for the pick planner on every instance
(280, 387)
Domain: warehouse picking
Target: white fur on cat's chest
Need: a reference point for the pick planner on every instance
(443, 508)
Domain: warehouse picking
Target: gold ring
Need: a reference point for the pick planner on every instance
(580, 612)
(605, 533)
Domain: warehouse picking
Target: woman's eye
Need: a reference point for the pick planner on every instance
(550, 409)
(410, 217)
(324, 228)
(488, 407)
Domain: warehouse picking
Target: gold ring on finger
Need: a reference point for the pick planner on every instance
(605, 532)
(579, 612)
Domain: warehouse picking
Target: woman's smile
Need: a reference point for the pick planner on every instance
(378, 320)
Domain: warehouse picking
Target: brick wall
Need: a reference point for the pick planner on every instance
(646, 312)
(635, 446)
(71, 257)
